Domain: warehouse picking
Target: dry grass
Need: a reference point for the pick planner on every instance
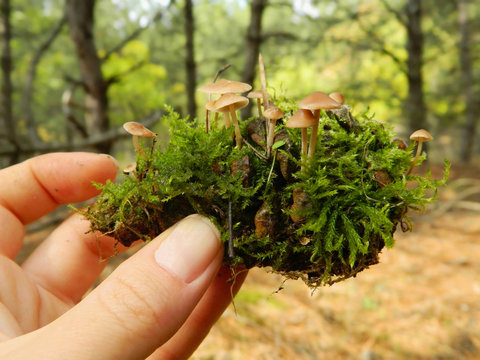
(421, 302)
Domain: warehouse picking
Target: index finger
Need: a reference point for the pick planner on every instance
(37, 186)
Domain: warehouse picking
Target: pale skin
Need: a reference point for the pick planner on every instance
(159, 304)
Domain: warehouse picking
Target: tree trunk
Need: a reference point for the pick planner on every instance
(254, 41)
(190, 66)
(80, 15)
(415, 109)
(9, 132)
(467, 81)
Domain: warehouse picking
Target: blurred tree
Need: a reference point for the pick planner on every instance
(190, 65)
(80, 15)
(9, 132)
(253, 43)
(415, 109)
(472, 104)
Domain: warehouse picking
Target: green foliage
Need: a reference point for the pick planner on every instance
(355, 192)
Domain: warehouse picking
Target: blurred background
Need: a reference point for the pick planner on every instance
(73, 71)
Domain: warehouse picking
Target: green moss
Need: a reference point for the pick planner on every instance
(349, 197)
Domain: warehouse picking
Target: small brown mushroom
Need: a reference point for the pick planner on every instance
(273, 114)
(231, 103)
(314, 102)
(138, 130)
(420, 136)
(130, 168)
(221, 87)
(302, 119)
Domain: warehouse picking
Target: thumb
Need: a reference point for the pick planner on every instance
(145, 300)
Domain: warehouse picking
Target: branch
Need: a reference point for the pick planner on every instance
(136, 33)
(280, 34)
(401, 19)
(104, 138)
(380, 46)
(115, 78)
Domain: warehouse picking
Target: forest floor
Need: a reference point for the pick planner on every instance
(421, 302)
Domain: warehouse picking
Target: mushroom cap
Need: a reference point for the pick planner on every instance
(338, 97)
(318, 100)
(226, 100)
(273, 113)
(237, 87)
(301, 119)
(224, 86)
(137, 129)
(212, 88)
(130, 168)
(210, 106)
(256, 94)
(421, 135)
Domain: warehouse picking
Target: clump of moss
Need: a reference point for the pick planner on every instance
(322, 219)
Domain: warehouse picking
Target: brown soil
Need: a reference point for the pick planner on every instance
(421, 302)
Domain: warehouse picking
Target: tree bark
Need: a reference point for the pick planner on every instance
(190, 65)
(80, 15)
(254, 41)
(9, 132)
(415, 109)
(468, 82)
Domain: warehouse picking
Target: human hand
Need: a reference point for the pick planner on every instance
(160, 303)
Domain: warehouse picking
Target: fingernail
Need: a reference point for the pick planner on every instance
(115, 161)
(190, 248)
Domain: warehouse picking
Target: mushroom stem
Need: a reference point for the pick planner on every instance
(314, 134)
(417, 155)
(271, 135)
(238, 135)
(226, 117)
(304, 146)
(304, 141)
(259, 106)
(207, 123)
(136, 145)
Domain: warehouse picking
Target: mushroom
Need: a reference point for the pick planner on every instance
(221, 87)
(138, 130)
(130, 168)
(302, 119)
(257, 94)
(338, 97)
(231, 103)
(273, 113)
(314, 102)
(420, 136)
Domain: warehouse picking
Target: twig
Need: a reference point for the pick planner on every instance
(231, 253)
(258, 153)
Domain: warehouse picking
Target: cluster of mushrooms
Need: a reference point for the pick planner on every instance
(308, 115)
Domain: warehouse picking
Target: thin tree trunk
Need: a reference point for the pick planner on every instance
(254, 41)
(415, 109)
(190, 65)
(9, 132)
(80, 15)
(467, 80)
(30, 83)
